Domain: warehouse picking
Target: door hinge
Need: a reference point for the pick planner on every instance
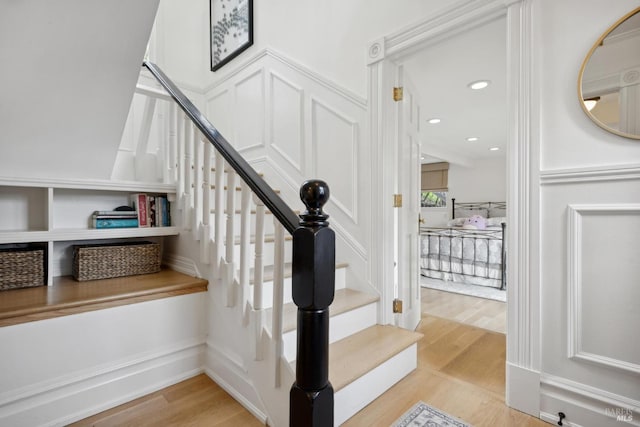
(397, 200)
(398, 93)
(397, 305)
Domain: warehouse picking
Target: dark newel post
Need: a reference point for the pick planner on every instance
(314, 262)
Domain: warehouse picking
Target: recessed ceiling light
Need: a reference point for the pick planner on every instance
(421, 157)
(433, 121)
(494, 148)
(480, 84)
(472, 139)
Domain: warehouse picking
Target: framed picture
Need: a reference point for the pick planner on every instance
(231, 29)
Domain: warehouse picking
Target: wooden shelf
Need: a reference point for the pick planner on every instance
(67, 296)
(69, 234)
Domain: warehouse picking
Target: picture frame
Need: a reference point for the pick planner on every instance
(231, 30)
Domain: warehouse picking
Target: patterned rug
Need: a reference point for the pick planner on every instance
(463, 288)
(423, 415)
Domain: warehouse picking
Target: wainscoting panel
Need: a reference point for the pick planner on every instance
(603, 276)
(249, 112)
(308, 128)
(220, 111)
(589, 270)
(286, 121)
(335, 153)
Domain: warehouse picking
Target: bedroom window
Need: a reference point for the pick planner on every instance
(433, 199)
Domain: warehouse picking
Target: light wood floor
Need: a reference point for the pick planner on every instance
(461, 370)
(480, 312)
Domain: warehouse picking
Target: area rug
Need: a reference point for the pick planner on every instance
(464, 289)
(423, 415)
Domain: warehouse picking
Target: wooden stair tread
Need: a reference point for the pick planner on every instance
(268, 271)
(67, 296)
(354, 356)
(343, 301)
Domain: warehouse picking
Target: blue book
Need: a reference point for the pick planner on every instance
(115, 223)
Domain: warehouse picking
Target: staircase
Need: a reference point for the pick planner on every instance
(249, 262)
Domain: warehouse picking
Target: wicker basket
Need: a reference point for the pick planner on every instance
(21, 267)
(92, 262)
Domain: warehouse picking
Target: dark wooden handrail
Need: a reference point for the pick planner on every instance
(270, 198)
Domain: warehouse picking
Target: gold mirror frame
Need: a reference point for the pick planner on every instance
(581, 97)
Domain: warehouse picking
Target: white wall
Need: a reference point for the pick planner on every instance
(590, 362)
(68, 72)
(319, 35)
(61, 370)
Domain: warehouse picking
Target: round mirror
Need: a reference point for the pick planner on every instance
(609, 82)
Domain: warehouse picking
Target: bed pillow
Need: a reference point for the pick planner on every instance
(496, 221)
(497, 212)
(456, 222)
(475, 222)
(468, 213)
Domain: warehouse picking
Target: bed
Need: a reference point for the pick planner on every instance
(471, 256)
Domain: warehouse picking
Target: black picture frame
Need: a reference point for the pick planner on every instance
(231, 30)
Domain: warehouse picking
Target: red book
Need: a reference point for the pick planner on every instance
(141, 204)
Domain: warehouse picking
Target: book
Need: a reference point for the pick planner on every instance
(162, 208)
(116, 214)
(152, 211)
(140, 202)
(115, 223)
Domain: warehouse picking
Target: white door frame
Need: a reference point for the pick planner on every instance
(523, 289)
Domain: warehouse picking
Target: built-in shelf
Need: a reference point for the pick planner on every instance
(67, 296)
(58, 212)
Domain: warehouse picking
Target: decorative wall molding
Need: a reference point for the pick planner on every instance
(456, 18)
(601, 406)
(575, 349)
(591, 174)
(350, 211)
(307, 72)
(244, 121)
(298, 165)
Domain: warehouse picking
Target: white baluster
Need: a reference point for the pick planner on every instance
(205, 241)
(278, 298)
(245, 244)
(173, 143)
(179, 158)
(219, 209)
(196, 217)
(258, 278)
(230, 237)
(188, 174)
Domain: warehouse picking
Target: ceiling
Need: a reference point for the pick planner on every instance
(441, 73)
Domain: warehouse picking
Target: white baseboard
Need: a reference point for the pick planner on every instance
(523, 390)
(229, 374)
(73, 399)
(585, 405)
(181, 264)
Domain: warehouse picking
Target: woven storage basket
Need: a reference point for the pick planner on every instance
(21, 268)
(92, 262)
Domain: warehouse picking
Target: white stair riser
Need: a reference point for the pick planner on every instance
(267, 288)
(355, 396)
(340, 326)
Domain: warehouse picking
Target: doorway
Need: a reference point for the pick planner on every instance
(383, 55)
(462, 88)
